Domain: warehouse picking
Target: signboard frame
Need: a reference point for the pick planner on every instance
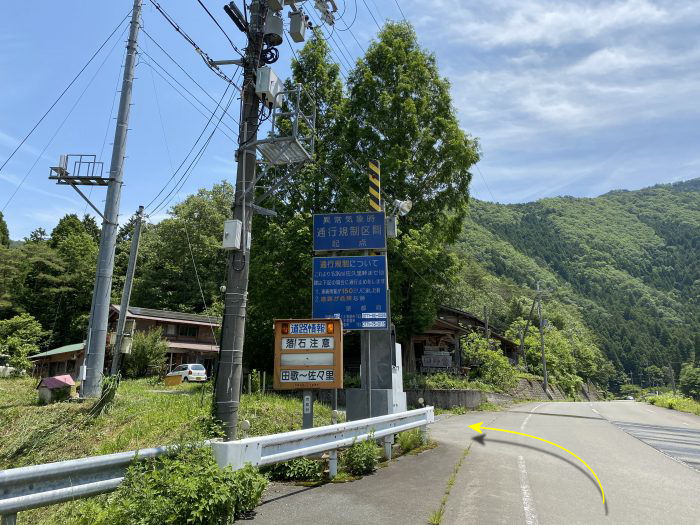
(336, 350)
(342, 225)
(371, 316)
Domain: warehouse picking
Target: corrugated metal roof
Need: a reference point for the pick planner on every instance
(76, 347)
(168, 315)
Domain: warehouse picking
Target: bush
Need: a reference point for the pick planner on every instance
(20, 337)
(187, 487)
(361, 458)
(147, 355)
(493, 368)
(410, 439)
(690, 381)
(297, 469)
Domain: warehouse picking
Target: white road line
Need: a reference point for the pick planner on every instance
(594, 410)
(686, 424)
(522, 427)
(528, 503)
(650, 411)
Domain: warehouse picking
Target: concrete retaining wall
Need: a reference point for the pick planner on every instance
(446, 398)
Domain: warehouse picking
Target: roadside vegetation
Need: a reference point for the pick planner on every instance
(676, 402)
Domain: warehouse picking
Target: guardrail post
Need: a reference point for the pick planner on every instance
(333, 454)
(424, 433)
(8, 519)
(388, 441)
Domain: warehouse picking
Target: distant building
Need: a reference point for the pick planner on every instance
(191, 339)
(438, 347)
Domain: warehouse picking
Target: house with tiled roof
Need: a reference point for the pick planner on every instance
(191, 338)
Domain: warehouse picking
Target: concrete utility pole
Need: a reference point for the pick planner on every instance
(126, 292)
(539, 312)
(95, 353)
(230, 369)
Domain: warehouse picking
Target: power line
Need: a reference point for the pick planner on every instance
(75, 78)
(184, 70)
(220, 28)
(484, 179)
(70, 112)
(151, 62)
(372, 15)
(188, 171)
(400, 10)
(205, 57)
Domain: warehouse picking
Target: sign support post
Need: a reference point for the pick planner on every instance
(308, 409)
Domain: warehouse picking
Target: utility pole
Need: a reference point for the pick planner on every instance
(126, 292)
(95, 352)
(230, 369)
(539, 312)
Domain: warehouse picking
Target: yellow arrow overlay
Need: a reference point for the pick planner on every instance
(477, 427)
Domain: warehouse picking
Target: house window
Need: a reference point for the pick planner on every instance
(186, 330)
(171, 330)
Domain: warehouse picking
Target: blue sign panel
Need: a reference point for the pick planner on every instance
(349, 231)
(352, 288)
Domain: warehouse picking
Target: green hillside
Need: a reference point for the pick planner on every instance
(628, 260)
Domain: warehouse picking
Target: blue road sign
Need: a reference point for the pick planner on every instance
(349, 231)
(353, 288)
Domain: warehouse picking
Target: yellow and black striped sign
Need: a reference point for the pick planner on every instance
(375, 192)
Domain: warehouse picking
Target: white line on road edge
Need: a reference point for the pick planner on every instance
(522, 427)
(528, 503)
(594, 410)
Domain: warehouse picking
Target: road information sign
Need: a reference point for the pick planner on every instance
(308, 354)
(349, 231)
(351, 288)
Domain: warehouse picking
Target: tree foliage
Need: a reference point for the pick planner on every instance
(4, 232)
(20, 337)
(148, 354)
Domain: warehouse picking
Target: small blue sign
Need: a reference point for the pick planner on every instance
(349, 231)
(351, 288)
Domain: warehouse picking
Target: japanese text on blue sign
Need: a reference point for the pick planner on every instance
(349, 231)
(352, 288)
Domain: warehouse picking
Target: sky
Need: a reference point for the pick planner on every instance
(566, 97)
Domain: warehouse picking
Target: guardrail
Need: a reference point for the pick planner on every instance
(264, 450)
(35, 486)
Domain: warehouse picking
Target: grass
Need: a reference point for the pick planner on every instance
(676, 402)
(437, 515)
(461, 410)
(144, 414)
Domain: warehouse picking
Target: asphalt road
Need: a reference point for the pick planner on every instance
(647, 459)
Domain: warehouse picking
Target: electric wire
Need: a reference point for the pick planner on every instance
(184, 220)
(75, 78)
(372, 15)
(485, 183)
(153, 62)
(60, 127)
(185, 71)
(400, 10)
(354, 18)
(205, 57)
(194, 145)
(220, 28)
(165, 201)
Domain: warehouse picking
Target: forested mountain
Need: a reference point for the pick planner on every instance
(628, 260)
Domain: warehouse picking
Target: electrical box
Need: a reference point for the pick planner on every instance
(297, 25)
(274, 29)
(232, 234)
(267, 86)
(275, 5)
(126, 345)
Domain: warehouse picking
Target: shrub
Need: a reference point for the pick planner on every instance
(297, 469)
(186, 487)
(361, 458)
(690, 381)
(410, 439)
(493, 368)
(147, 355)
(20, 337)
